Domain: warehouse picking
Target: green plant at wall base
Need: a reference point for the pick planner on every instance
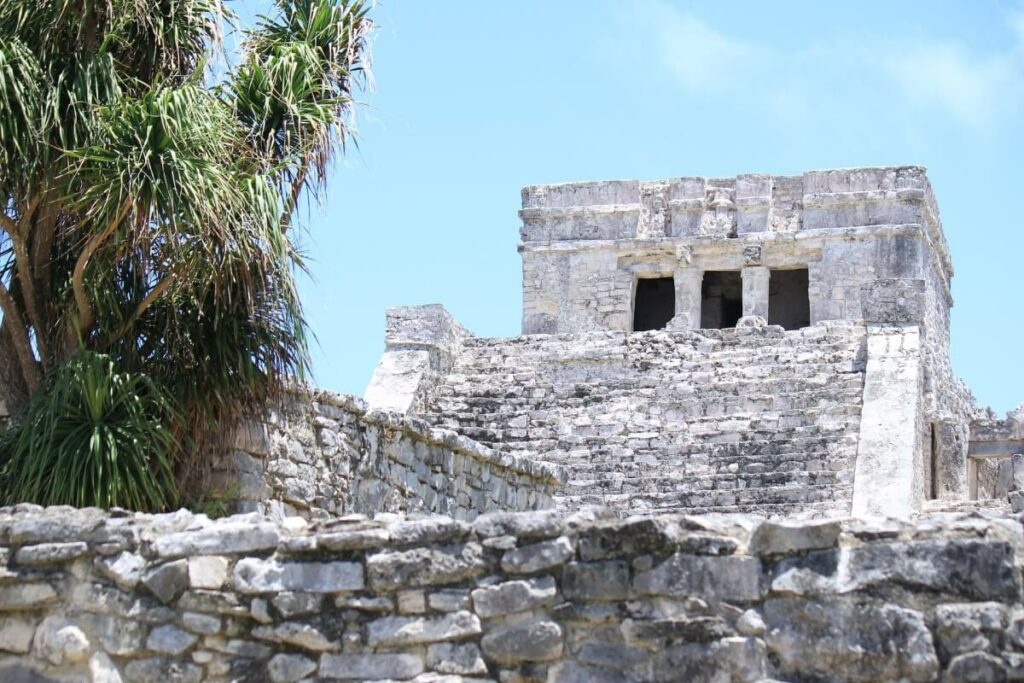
(148, 191)
(215, 502)
(94, 437)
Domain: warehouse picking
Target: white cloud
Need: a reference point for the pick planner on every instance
(1016, 22)
(695, 53)
(973, 87)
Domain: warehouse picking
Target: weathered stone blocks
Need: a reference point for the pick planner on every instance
(681, 575)
(607, 580)
(425, 566)
(220, 538)
(270, 576)
(371, 666)
(514, 596)
(537, 557)
(26, 596)
(397, 631)
(538, 641)
(285, 668)
(715, 598)
(851, 642)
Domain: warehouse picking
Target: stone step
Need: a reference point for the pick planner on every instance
(449, 397)
(996, 505)
(796, 462)
(745, 421)
(702, 482)
(797, 497)
(751, 369)
(749, 443)
(670, 421)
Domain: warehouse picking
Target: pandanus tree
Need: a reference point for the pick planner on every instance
(148, 181)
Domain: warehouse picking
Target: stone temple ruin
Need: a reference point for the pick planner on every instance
(758, 343)
(729, 446)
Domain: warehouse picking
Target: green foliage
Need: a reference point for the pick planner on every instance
(214, 503)
(94, 437)
(146, 202)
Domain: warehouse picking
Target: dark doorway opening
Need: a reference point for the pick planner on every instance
(789, 301)
(721, 299)
(655, 303)
(933, 463)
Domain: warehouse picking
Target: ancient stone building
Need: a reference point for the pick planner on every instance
(763, 343)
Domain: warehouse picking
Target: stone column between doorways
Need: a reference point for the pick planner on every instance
(688, 294)
(755, 291)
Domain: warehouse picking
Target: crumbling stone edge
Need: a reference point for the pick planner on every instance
(511, 597)
(324, 454)
(421, 429)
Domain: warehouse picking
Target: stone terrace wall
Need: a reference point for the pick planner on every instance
(333, 456)
(749, 419)
(514, 598)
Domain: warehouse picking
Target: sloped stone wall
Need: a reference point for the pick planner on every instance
(748, 419)
(89, 596)
(329, 454)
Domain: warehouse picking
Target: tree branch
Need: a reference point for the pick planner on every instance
(42, 243)
(85, 312)
(28, 293)
(20, 338)
(297, 183)
(23, 267)
(161, 287)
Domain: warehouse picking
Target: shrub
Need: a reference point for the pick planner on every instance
(93, 436)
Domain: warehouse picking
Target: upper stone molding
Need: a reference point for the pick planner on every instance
(750, 203)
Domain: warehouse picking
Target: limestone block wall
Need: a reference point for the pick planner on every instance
(751, 419)
(510, 598)
(329, 454)
(584, 244)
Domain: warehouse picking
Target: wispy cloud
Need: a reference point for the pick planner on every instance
(975, 88)
(972, 88)
(688, 46)
(1016, 22)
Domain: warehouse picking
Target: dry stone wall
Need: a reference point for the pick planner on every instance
(748, 419)
(328, 454)
(87, 596)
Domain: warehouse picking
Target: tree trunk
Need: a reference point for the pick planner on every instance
(13, 391)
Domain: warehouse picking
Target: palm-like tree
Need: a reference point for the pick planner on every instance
(147, 192)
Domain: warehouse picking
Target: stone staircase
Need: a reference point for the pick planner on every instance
(754, 420)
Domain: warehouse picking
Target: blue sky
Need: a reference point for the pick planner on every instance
(473, 100)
